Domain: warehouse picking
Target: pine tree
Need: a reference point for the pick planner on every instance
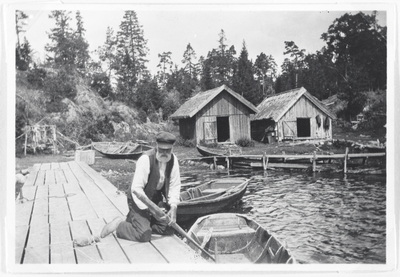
(222, 61)
(206, 81)
(265, 70)
(20, 17)
(190, 66)
(243, 80)
(81, 46)
(61, 45)
(108, 52)
(165, 66)
(131, 54)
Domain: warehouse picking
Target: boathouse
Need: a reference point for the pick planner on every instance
(293, 114)
(216, 115)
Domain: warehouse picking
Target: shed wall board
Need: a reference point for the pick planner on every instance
(303, 108)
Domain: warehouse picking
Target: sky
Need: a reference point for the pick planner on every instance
(172, 28)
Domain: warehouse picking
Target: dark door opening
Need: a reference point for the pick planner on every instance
(222, 128)
(303, 127)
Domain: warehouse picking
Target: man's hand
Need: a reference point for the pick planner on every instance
(172, 215)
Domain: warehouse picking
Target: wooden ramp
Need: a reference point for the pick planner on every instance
(64, 201)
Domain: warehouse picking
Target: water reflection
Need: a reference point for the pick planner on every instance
(321, 217)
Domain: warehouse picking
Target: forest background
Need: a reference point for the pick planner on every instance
(63, 89)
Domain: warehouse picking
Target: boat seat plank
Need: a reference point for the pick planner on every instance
(232, 259)
(109, 248)
(54, 165)
(212, 191)
(21, 233)
(180, 253)
(37, 248)
(61, 246)
(86, 254)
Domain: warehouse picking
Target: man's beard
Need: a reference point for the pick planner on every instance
(163, 157)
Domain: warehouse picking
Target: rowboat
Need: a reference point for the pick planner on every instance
(209, 152)
(235, 238)
(211, 197)
(120, 150)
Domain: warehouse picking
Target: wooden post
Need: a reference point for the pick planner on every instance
(346, 155)
(54, 140)
(263, 161)
(266, 163)
(215, 163)
(227, 163)
(284, 159)
(26, 141)
(314, 162)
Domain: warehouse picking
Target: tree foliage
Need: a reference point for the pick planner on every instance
(131, 56)
(243, 78)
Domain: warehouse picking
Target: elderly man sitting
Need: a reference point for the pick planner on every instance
(156, 177)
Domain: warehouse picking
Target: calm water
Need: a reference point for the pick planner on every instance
(321, 218)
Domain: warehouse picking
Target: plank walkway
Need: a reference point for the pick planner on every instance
(64, 201)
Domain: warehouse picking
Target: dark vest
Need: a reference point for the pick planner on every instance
(150, 188)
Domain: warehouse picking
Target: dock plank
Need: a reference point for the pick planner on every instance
(45, 166)
(59, 175)
(109, 248)
(20, 240)
(40, 212)
(61, 246)
(119, 200)
(37, 248)
(30, 181)
(142, 252)
(100, 202)
(24, 207)
(40, 178)
(87, 254)
(49, 177)
(180, 253)
(64, 203)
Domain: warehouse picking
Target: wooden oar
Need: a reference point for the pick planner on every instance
(155, 210)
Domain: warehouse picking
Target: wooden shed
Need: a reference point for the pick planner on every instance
(293, 114)
(216, 115)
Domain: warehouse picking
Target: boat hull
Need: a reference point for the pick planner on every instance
(235, 238)
(107, 149)
(228, 192)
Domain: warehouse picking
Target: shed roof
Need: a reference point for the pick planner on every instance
(192, 106)
(276, 106)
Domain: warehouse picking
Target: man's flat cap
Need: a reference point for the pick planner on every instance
(165, 139)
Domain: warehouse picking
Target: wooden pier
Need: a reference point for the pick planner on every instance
(309, 161)
(60, 202)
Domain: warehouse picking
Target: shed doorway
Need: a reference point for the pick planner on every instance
(303, 127)
(223, 128)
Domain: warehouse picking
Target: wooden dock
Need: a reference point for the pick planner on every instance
(314, 161)
(61, 202)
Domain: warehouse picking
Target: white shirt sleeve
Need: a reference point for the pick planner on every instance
(175, 184)
(140, 178)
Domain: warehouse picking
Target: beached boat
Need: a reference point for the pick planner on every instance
(226, 151)
(211, 197)
(235, 238)
(120, 150)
